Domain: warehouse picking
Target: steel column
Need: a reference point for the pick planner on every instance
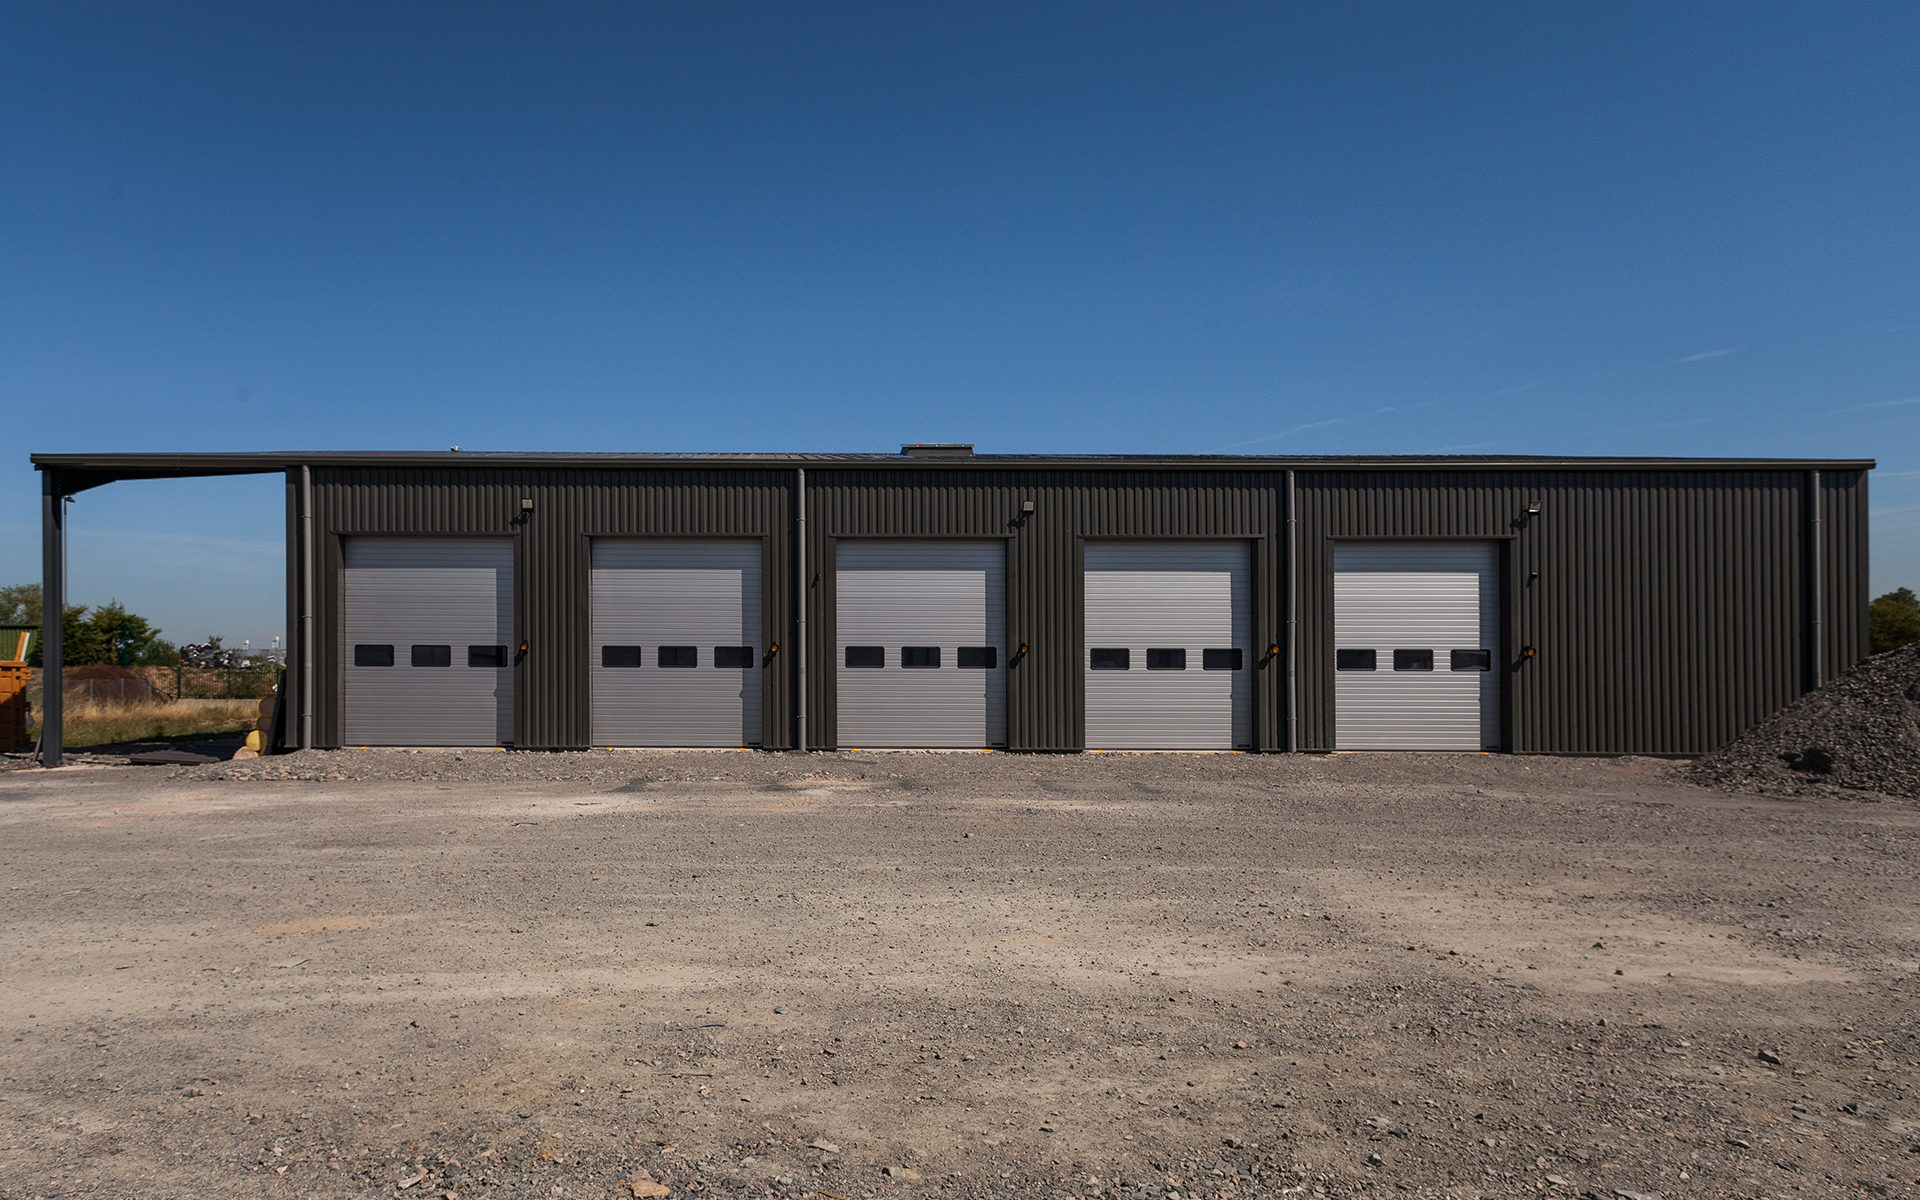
(306, 609)
(53, 606)
(800, 622)
(1293, 617)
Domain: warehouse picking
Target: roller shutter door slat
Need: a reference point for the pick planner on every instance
(658, 593)
(1438, 596)
(944, 594)
(403, 592)
(1151, 595)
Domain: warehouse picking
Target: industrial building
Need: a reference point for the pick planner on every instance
(942, 598)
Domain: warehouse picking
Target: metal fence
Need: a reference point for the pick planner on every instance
(120, 692)
(150, 685)
(220, 683)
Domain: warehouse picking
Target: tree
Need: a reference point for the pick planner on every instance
(108, 634)
(127, 639)
(1893, 621)
(20, 604)
(80, 642)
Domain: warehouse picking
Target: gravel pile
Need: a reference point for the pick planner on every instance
(1861, 733)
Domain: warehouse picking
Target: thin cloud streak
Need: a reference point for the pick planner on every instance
(1706, 354)
(183, 541)
(1900, 403)
(1385, 411)
(1284, 433)
(78, 531)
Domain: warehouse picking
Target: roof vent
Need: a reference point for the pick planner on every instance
(938, 449)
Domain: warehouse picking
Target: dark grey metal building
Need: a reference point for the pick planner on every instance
(1046, 603)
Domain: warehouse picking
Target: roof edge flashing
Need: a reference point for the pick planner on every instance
(79, 472)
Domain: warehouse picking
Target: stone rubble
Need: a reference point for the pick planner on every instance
(1861, 733)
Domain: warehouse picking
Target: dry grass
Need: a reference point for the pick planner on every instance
(88, 724)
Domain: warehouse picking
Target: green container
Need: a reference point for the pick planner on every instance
(15, 640)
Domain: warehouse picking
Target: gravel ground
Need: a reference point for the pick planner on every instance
(382, 973)
(1859, 733)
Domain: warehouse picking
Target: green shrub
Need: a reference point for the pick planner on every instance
(1893, 621)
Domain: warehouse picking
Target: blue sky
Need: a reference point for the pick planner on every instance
(1268, 228)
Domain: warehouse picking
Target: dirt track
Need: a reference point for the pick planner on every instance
(969, 975)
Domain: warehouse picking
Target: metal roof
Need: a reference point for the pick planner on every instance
(91, 470)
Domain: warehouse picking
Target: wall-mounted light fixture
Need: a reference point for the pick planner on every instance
(1026, 507)
(1533, 508)
(526, 504)
(1528, 652)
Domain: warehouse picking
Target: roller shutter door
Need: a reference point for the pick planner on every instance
(1416, 630)
(676, 643)
(428, 659)
(1169, 657)
(924, 625)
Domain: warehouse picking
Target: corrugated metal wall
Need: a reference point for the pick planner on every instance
(1843, 537)
(552, 545)
(1669, 610)
(1045, 701)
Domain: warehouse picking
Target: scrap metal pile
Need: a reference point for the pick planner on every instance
(199, 654)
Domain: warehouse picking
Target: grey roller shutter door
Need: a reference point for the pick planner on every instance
(1417, 596)
(944, 595)
(403, 593)
(698, 595)
(1186, 596)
